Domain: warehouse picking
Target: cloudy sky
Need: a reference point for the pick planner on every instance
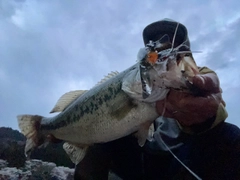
(48, 48)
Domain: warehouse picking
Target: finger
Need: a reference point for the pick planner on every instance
(207, 82)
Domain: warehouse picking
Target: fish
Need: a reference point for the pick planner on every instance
(104, 113)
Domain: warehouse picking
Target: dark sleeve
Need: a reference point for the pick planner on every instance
(122, 157)
(95, 165)
(214, 154)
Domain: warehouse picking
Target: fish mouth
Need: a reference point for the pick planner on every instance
(145, 79)
(149, 71)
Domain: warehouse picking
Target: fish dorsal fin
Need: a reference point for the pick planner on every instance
(110, 75)
(75, 152)
(66, 99)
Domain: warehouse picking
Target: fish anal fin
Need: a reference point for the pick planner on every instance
(75, 152)
(67, 99)
(143, 133)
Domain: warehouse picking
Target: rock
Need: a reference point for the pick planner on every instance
(10, 173)
(3, 163)
(35, 170)
(62, 173)
(113, 176)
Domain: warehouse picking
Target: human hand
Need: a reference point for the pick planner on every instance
(204, 83)
(189, 109)
(193, 108)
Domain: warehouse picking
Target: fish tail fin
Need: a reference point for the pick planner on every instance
(29, 126)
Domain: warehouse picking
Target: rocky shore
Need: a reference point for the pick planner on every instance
(35, 170)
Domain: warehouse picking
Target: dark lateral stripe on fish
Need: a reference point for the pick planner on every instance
(90, 108)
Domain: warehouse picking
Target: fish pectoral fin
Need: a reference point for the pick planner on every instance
(66, 99)
(143, 133)
(151, 132)
(75, 152)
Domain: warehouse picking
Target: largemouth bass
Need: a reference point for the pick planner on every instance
(102, 114)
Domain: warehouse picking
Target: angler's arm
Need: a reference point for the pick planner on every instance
(189, 109)
(202, 106)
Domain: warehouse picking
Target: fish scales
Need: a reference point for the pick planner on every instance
(102, 114)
